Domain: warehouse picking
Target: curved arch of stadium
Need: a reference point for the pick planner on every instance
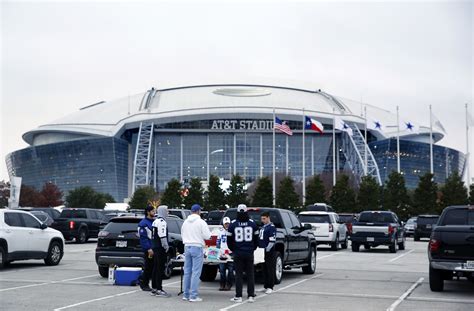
(198, 131)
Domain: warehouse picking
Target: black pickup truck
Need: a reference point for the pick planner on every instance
(374, 228)
(295, 243)
(451, 247)
(79, 223)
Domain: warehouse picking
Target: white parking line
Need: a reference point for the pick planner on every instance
(341, 294)
(402, 255)
(433, 299)
(405, 295)
(322, 257)
(104, 298)
(278, 290)
(46, 283)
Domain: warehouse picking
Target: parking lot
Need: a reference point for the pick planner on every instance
(369, 280)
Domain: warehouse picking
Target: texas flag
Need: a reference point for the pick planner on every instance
(312, 124)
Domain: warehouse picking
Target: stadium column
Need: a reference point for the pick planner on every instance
(273, 162)
(398, 142)
(304, 161)
(261, 155)
(208, 173)
(181, 157)
(333, 147)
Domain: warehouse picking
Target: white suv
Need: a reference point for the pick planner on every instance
(23, 236)
(327, 228)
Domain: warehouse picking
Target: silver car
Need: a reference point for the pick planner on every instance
(410, 226)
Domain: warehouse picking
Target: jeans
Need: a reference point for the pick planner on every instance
(269, 270)
(227, 274)
(244, 262)
(193, 261)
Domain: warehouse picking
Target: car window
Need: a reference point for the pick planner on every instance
(30, 221)
(73, 214)
(176, 213)
(317, 219)
(427, 220)
(376, 217)
(214, 217)
(286, 220)
(121, 226)
(346, 218)
(41, 216)
(294, 220)
(173, 226)
(13, 219)
(460, 217)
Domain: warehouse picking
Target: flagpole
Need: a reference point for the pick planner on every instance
(467, 148)
(274, 179)
(333, 147)
(431, 141)
(366, 145)
(398, 141)
(304, 163)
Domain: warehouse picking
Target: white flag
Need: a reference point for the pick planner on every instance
(437, 123)
(470, 120)
(342, 126)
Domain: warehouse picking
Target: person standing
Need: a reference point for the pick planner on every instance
(267, 242)
(160, 250)
(194, 233)
(145, 230)
(243, 241)
(226, 269)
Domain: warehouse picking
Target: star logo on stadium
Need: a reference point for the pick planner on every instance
(344, 126)
(378, 125)
(409, 126)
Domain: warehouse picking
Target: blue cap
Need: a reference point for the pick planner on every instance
(195, 208)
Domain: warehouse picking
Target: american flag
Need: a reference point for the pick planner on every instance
(282, 126)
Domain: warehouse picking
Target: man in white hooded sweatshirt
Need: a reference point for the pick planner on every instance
(194, 231)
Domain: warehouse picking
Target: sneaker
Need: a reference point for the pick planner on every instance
(251, 299)
(146, 288)
(236, 299)
(197, 299)
(153, 292)
(162, 294)
(185, 298)
(268, 291)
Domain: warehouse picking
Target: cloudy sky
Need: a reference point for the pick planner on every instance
(58, 57)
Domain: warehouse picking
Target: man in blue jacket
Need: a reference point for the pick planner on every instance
(145, 230)
(243, 241)
(267, 242)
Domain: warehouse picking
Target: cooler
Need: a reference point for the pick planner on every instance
(127, 276)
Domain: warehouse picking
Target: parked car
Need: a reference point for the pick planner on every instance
(52, 212)
(410, 226)
(348, 219)
(451, 247)
(23, 237)
(214, 218)
(295, 243)
(424, 226)
(374, 228)
(119, 244)
(319, 207)
(327, 228)
(181, 213)
(79, 223)
(43, 217)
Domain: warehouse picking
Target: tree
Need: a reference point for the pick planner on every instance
(453, 191)
(395, 196)
(471, 194)
(342, 197)
(368, 197)
(172, 195)
(287, 197)
(30, 197)
(214, 196)
(196, 193)
(236, 194)
(4, 193)
(51, 195)
(425, 197)
(87, 197)
(315, 191)
(263, 195)
(142, 196)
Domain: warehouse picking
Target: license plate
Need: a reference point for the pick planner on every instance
(370, 239)
(470, 264)
(120, 243)
(428, 226)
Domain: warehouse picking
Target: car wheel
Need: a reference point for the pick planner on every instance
(55, 253)
(355, 247)
(104, 271)
(344, 244)
(401, 246)
(366, 247)
(81, 237)
(393, 248)
(3, 257)
(278, 268)
(168, 268)
(335, 245)
(311, 267)
(436, 280)
(208, 273)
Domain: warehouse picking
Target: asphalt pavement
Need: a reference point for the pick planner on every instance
(368, 280)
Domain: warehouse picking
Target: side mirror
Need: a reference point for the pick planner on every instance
(402, 223)
(307, 227)
(43, 226)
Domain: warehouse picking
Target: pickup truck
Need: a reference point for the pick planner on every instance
(451, 247)
(295, 243)
(374, 228)
(79, 223)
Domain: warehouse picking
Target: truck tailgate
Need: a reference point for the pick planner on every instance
(457, 242)
(370, 229)
(320, 229)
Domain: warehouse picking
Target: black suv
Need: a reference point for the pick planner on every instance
(424, 226)
(215, 217)
(119, 244)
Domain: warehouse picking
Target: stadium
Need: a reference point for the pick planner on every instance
(198, 131)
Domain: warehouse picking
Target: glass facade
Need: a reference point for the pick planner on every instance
(415, 160)
(101, 163)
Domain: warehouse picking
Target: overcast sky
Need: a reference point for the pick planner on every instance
(58, 57)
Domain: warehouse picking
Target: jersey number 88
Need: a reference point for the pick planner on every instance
(243, 234)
